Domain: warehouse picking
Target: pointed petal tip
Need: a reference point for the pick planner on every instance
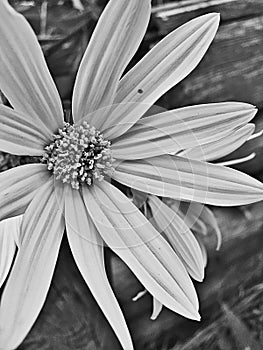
(197, 269)
(249, 105)
(195, 316)
(215, 16)
(212, 19)
(154, 316)
(199, 274)
(242, 105)
(198, 317)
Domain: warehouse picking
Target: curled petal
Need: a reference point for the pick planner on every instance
(157, 308)
(197, 217)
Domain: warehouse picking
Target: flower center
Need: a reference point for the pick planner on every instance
(78, 154)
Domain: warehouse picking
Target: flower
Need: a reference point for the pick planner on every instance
(71, 188)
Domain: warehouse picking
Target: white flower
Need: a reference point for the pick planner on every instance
(71, 191)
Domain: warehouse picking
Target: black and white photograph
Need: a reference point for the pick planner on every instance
(131, 174)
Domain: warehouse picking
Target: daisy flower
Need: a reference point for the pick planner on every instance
(70, 190)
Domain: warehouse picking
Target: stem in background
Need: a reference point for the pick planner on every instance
(43, 19)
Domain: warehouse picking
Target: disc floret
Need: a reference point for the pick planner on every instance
(78, 154)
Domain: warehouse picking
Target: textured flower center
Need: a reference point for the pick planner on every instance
(78, 154)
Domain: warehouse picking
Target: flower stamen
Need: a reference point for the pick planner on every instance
(78, 154)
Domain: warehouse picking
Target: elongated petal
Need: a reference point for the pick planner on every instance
(208, 218)
(179, 236)
(115, 40)
(157, 308)
(19, 134)
(87, 248)
(164, 66)
(198, 217)
(189, 180)
(190, 212)
(180, 129)
(221, 147)
(130, 235)
(24, 76)
(203, 249)
(9, 231)
(18, 186)
(28, 284)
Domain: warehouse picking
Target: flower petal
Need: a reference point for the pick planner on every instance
(203, 249)
(9, 231)
(197, 217)
(24, 76)
(27, 287)
(157, 308)
(179, 236)
(20, 135)
(87, 248)
(189, 180)
(115, 40)
(181, 128)
(130, 235)
(208, 218)
(18, 187)
(221, 147)
(163, 67)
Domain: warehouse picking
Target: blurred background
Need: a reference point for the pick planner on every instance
(232, 295)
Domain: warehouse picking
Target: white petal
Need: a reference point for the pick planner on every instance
(180, 129)
(189, 180)
(29, 281)
(87, 248)
(163, 67)
(179, 236)
(130, 235)
(208, 218)
(197, 217)
(115, 40)
(221, 147)
(9, 232)
(19, 134)
(24, 76)
(157, 308)
(18, 187)
(203, 249)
